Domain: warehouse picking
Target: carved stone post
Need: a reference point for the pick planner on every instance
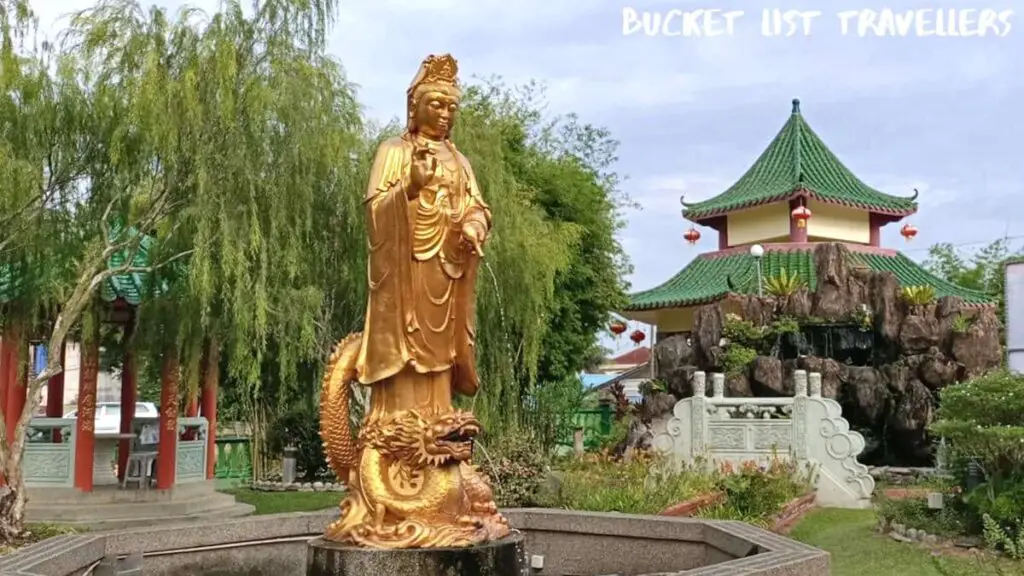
(800, 383)
(698, 410)
(799, 415)
(815, 384)
(718, 385)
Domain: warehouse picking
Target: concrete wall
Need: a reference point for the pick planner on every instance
(769, 222)
(570, 543)
(837, 223)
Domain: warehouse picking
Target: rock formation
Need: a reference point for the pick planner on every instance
(884, 360)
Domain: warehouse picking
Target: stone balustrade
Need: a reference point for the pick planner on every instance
(806, 427)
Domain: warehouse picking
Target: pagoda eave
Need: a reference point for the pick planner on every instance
(708, 217)
(714, 276)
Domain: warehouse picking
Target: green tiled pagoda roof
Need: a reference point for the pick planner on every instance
(798, 162)
(708, 278)
(127, 287)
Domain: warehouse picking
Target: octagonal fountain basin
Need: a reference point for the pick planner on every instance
(557, 543)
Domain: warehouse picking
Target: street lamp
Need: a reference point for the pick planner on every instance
(757, 251)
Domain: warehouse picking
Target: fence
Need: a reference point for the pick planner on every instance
(596, 423)
(811, 428)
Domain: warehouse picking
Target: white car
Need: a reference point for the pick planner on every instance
(108, 415)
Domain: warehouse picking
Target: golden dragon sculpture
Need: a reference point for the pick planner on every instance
(410, 483)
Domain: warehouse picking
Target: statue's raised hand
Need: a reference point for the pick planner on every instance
(424, 164)
(475, 233)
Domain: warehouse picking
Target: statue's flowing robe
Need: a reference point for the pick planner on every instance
(422, 274)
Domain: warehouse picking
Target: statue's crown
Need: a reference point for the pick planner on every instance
(442, 69)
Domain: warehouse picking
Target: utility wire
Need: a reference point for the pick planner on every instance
(965, 244)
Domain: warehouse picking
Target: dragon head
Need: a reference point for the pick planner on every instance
(420, 439)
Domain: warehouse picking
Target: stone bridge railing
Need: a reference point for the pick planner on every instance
(807, 427)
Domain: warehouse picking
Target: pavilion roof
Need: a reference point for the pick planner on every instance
(710, 277)
(127, 287)
(798, 163)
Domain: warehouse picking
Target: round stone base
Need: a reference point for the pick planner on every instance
(505, 557)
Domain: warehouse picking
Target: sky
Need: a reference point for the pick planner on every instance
(940, 114)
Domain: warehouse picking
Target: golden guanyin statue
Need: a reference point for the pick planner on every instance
(410, 480)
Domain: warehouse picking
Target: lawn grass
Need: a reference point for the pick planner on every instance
(281, 502)
(857, 550)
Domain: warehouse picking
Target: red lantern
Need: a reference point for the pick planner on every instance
(617, 327)
(801, 214)
(637, 336)
(908, 231)
(692, 235)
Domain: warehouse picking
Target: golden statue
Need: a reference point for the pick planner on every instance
(410, 480)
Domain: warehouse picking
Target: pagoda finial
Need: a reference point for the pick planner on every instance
(796, 105)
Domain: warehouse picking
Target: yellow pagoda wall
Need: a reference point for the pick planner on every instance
(831, 222)
(760, 224)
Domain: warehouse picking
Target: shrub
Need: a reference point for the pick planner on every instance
(640, 486)
(918, 295)
(645, 485)
(915, 513)
(1006, 539)
(783, 284)
(517, 467)
(737, 358)
(550, 411)
(740, 332)
(983, 419)
(755, 493)
(300, 427)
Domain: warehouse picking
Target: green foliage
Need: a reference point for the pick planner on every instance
(300, 427)
(984, 419)
(742, 332)
(961, 324)
(641, 486)
(1006, 539)
(981, 270)
(554, 268)
(918, 295)
(863, 317)
(652, 386)
(647, 485)
(951, 520)
(737, 358)
(549, 415)
(783, 284)
(755, 493)
(785, 325)
(237, 145)
(516, 468)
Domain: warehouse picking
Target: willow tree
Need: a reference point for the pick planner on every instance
(208, 142)
(264, 126)
(65, 194)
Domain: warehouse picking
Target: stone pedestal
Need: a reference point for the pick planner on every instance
(505, 557)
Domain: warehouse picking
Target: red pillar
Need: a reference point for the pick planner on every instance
(7, 358)
(55, 391)
(192, 407)
(875, 223)
(17, 379)
(211, 382)
(85, 422)
(167, 449)
(128, 397)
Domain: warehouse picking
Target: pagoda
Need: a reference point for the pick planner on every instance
(795, 196)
